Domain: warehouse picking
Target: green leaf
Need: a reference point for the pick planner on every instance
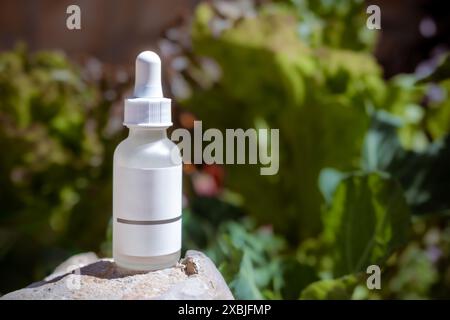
(367, 220)
(424, 176)
(331, 289)
(249, 260)
(244, 285)
(329, 179)
(381, 145)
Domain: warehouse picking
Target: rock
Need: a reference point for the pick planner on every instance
(73, 263)
(84, 276)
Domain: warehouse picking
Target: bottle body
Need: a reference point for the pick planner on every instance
(147, 200)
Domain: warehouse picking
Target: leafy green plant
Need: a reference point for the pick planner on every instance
(270, 77)
(359, 155)
(257, 263)
(55, 186)
(367, 220)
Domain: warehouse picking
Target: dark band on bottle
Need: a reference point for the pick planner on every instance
(148, 222)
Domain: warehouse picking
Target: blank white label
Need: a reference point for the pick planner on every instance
(148, 202)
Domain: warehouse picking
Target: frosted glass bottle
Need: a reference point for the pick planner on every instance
(147, 188)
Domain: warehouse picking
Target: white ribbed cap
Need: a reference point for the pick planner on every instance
(148, 107)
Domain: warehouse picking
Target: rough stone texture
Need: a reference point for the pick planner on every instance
(84, 276)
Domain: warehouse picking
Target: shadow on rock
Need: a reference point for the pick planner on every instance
(102, 269)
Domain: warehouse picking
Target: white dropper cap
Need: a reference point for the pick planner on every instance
(148, 76)
(148, 107)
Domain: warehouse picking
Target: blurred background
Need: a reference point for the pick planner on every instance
(364, 119)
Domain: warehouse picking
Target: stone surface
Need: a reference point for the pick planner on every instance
(84, 276)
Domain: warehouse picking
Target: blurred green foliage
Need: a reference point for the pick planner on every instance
(331, 289)
(359, 155)
(54, 183)
(269, 77)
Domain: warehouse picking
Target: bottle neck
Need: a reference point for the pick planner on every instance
(147, 134)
